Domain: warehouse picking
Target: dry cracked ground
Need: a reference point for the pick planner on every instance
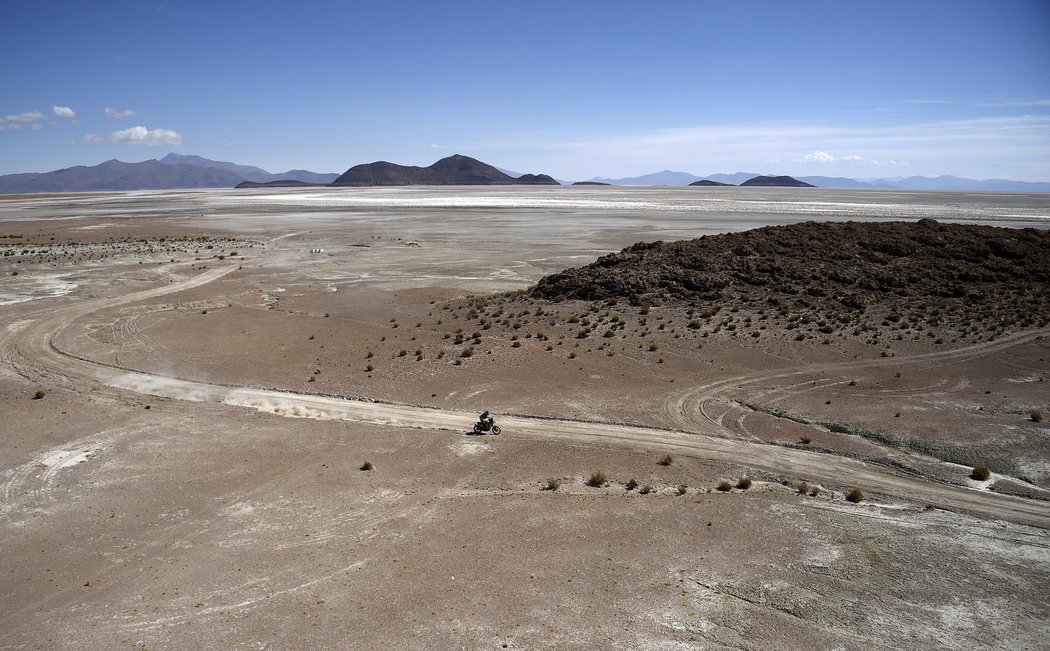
(231, 429)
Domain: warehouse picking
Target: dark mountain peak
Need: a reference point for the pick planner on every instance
(709, 182)
(451, 170)
(776, 181)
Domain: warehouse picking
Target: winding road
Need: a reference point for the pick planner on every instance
(29, 347)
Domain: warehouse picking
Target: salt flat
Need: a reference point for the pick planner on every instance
(211, 387)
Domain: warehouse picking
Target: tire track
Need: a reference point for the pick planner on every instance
(32, 350)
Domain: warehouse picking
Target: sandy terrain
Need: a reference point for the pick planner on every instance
(209, 388)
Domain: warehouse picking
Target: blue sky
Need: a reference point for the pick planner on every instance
(574, 89)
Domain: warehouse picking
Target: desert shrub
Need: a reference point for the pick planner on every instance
(516, 344)
(725, 486)
(981, 473)
(402, 352)
(744, 483)
(682, 489)
(552, 484)
(38, 395)
(367, 465)
(645, 490)
(597, 479)
(813, 492)
(803, 488)
(1037, 417)
(631, 484)
(467, 352)
(369, 355)
(855, 495)
(369, 368)
(665, 461)
(805, 440)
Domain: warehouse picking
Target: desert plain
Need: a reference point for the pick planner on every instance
(242, 419)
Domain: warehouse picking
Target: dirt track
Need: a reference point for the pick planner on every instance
(30, 348)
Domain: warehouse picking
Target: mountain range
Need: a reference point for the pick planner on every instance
(176, 171)
(668, 177)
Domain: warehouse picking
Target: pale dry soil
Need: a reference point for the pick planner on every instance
(198, 511)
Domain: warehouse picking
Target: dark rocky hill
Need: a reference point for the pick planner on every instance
(591, 183)
(453, 170)
(709, 182)
(849, 266)
(777, 181)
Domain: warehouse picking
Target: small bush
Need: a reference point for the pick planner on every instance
(367, 465)
(803, 488)
(744, 483)
(814, 491)
(597, 479)
(805, 440)
(1037, 417)
(38, 395)
(631, 484)
(665, 461)
(981, 473)
(725, 486)
(645, 490)
(552, 484)
(682, 489)
(855, 495)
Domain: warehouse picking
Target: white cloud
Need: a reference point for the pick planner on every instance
(37, 126)
(824, 158)
(118, 113)
(144, 136)
(92, 138)
(63, 111)
(16, 120)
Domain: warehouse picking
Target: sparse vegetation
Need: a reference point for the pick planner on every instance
(645, 490)
(665, 461)
(682, 489)
(725, 486)
(367, 465)
(981, 473)
(805, 440)
(552, 484)
(597, 479)
(743, 483)
(855, 495)
(1036, 416)
(803, 488)
(38, 395)
(631, 484)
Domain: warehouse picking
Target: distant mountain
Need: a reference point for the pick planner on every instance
(776, 182)
(736, 178)
(117, 175)
(957, 183)
(666, 177)
(246, 172)
(453, 170)
(251, 173)
(710, 183)
(174, 171)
